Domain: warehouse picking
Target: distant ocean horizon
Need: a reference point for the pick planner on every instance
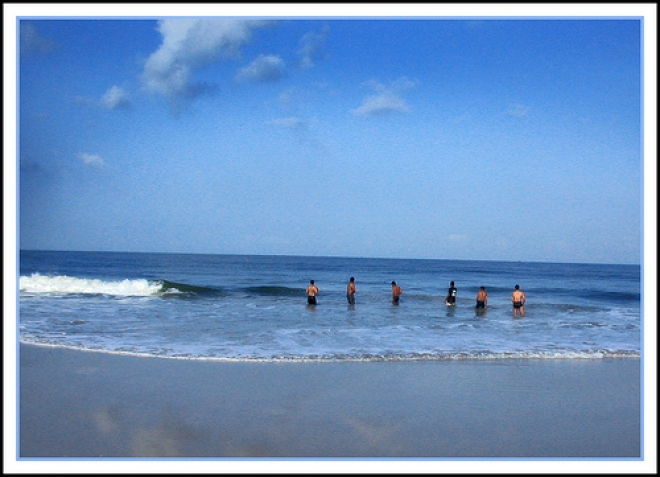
(253, 307)
(338, 256)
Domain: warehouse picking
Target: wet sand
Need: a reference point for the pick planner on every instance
(77, 404)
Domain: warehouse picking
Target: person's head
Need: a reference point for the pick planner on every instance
(482, 288)
(451, 284)
(352, 279)
(393, 284)
(517, 287)
(311, 282)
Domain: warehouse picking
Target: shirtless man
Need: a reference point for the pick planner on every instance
(396, 293)
(311, 291)
(350, 291)
(518, 300)
(482, 298)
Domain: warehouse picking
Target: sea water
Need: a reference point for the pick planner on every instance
(228, 307)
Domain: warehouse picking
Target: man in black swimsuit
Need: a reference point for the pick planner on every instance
(311, 291)
(482, 298)
(396, 293)
(518, 300)
(450, 299)
(350, 291)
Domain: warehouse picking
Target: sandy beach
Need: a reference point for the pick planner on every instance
(88, 404)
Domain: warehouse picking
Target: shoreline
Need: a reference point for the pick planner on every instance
(420, 357)
(76, 404)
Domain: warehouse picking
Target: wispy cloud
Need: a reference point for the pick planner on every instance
(292, 122)
(265, 68)
(91, 159)
(189, 45)
(458, 238)
(33, 43)
(312, 47)
(382, 104)
(517, 110)
(386, 99)
(289, 97)
(116, 98)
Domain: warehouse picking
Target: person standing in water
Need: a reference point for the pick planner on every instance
(350, 291)
(450, 299)
(396, 293)
(311, 291)
(482, 298)
(518, 300)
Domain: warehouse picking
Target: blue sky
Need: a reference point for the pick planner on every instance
(477, 138)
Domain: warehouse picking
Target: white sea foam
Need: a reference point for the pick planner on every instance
(62, 284)
(329, 357)
(254, 309)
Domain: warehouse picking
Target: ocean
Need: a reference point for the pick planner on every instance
(242, 308)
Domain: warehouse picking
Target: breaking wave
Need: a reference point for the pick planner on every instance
(37, 284)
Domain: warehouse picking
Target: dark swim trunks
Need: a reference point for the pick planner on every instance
(481, 304)
(395, 300)
(517, 304)
(311, 300)
(351, 298)
(451, 295)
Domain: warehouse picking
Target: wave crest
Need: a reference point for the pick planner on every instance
(65, 285)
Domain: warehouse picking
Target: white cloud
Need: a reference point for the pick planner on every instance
(312, 46)
(463, 117)
(457, 238)
(91, 159)
(517, 110)
(291, 122)
(403, 84)
(189, 45)
(287, 97)
(381, 104)
(264, 68)
(386, 100)
(115, 98)
(32, 42)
